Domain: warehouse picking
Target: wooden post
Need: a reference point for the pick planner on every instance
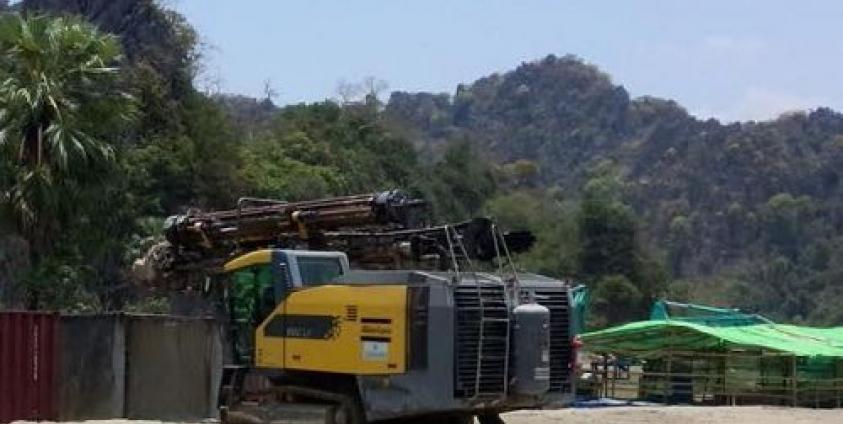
(667, 377)
(837, 383)
(734, 395)
(723, 364)
(605, 375)
(669, 367)
(614, 376)
(793, 379)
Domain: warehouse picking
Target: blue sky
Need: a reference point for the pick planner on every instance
(730, 59)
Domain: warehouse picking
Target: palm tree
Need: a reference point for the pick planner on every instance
(59, 100)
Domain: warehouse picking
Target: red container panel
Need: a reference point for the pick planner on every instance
(27, 366)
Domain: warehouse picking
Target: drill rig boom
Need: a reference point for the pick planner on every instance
(374, 230)
(259, 221)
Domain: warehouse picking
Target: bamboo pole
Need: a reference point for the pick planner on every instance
(666, 386)
(793, 378)
(836, 384)
(605, 375)
(725, 371)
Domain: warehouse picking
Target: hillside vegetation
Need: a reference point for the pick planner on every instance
(748, 213)
(633, 197)
(98, 147)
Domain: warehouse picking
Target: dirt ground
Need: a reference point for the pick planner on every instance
(678, 415)
(643, 415)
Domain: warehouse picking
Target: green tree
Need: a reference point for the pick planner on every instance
(460, 183)
(59, 106)
(194, 163)
(551, 220)
(607, 231)
(625, 278)
(615, 300)
(784, 215)
(523, 173)
(678, 242)
(270, 172)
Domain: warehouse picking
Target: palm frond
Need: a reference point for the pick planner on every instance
(58, 88)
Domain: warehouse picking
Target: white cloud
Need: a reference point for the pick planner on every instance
(758, 103)
(740, 81)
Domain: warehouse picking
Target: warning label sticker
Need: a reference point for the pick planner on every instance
(375, 350)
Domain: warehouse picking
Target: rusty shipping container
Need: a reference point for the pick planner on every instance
(27, 366)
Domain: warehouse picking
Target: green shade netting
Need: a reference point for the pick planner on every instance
(702, 314)
(651, 337)
(580, 298)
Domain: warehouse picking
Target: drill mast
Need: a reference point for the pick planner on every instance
(380, 230)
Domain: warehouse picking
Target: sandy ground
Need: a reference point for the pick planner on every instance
(678, 415)
(650, 415)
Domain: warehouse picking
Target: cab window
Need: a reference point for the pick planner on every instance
(315, 271)
(252, 293)
(250, 300)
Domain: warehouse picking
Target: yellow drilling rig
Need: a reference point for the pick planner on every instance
(355, 309)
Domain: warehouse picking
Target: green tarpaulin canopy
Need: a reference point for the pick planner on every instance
(653, 337)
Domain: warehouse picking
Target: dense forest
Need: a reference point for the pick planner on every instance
(633, 197)
(745, 214)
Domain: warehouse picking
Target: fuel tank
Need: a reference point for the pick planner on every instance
(531, 350)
